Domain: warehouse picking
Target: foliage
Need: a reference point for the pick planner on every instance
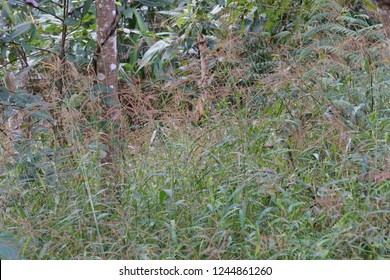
(224, 191)
(289, 159)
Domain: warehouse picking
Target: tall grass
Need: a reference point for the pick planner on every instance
(290, 163)
(234, 188)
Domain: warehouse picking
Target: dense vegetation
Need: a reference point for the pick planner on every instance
(252, 130)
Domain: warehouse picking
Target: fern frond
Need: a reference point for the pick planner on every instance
(353, 21)
(323, 27)
(326, 42)
(332, 50)
(306, 54)
(322, 16)
(346, 31)
(281, 35)
(371, 28)
(326, 4)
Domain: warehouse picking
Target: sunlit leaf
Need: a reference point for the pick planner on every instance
(152, 51)
(155, 3)
(170, 13)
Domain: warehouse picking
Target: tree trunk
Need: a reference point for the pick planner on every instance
(384, 5)
(107, 17)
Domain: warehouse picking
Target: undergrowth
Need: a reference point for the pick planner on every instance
(290, 160)
(231, 189)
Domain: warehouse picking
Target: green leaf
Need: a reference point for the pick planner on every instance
(100, 148)
(5, 39)
(71, 21)
(4, 95)
(6, 8)
(140, 22)
(181, 21)
(77, 100)
(163, 195)
(9, 112)
(21, 99)
(42, 115)
(20, 29)
(152, 52)
(86, 7)
(50, 11)
(128, 67)
(370, 6)
(110, 101)
(170, 13)
(128, 13)
(155, 3)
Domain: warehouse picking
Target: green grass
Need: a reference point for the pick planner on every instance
(242, 186)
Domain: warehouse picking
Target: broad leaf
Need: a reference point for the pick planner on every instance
(42, 115)
(164, 193)
(86, 7)
(22, 99)
(128, 13)
(152, 51)
(71, 21)
(4, 95)
(20, 29)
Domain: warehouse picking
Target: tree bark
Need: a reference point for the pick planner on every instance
(384, 5)
(107, 17)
